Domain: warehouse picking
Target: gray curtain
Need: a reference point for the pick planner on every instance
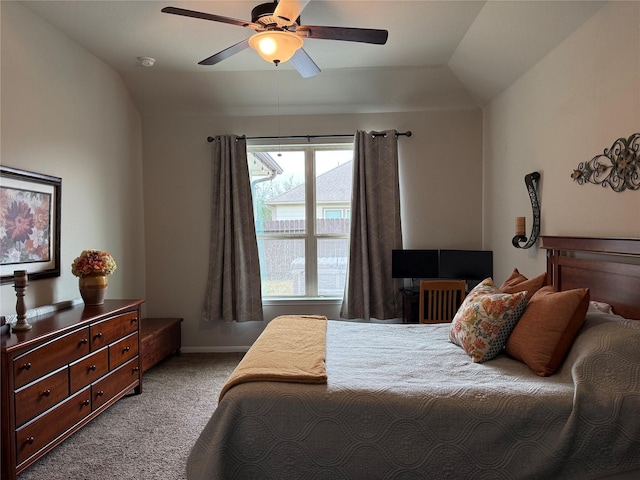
(370, 291)
(233, 287)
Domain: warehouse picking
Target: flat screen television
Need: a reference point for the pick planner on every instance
(466, 264)
(414, 263)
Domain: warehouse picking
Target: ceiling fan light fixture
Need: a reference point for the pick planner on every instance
(275, 46)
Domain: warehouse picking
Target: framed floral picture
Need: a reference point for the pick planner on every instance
(30, 205)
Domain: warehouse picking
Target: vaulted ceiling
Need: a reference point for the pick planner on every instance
(439, 55)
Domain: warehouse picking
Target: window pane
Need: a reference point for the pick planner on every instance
(296, 260)
(277, 181)
(332, 265)
(333, 190)
(332, 213)
(282, 266)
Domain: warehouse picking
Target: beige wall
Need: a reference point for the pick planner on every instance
(65, 113)
(440, 171)
(567, 109)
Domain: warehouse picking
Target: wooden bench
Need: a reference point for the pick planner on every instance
(160, 337)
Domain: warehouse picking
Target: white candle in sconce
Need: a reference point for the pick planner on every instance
(20, 278)
(521, 229)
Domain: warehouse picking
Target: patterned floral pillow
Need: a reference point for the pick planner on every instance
(485, 320)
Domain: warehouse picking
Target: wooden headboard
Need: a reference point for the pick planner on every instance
(609, 267)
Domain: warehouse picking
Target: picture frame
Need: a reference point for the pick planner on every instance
(30, 211)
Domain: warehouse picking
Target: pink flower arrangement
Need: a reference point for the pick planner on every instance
(93, 261)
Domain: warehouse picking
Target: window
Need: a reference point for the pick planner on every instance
(291, 184)
(337, 213)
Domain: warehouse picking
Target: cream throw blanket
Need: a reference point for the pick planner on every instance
(292, 348)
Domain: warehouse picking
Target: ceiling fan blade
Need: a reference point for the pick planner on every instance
(288, 11)
(303, 63)
(363, 35)
(210, 16)
(226, 53)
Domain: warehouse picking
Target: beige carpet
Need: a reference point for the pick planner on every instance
(147, 436)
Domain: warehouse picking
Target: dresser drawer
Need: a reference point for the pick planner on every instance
(37, 434)
(122, 378)
(123, 350)
(50, 357)
(108, 331)
(88, 370)
(34, 399)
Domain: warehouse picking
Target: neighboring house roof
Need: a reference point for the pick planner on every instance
(332, 186)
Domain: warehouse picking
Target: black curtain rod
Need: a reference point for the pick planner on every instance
(309, 137)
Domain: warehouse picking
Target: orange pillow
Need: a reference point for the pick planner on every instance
(518, 283)
(547, 328)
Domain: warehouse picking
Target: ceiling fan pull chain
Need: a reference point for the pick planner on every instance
(278, 114)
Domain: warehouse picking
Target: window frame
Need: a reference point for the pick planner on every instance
(311, 237)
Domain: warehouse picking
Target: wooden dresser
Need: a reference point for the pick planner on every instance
(71, 366)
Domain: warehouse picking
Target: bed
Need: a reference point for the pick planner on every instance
(404, 402)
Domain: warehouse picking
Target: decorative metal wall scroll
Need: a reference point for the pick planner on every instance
(531, 181)
(622, 174)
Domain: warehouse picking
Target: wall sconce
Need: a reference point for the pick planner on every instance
(275, 46)
(623, 172)
(531, 181)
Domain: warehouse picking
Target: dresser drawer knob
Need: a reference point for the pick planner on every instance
(93, 368)
(100, 393)
(126, 349)
(86, 402)
(84, 341)
(26, 366)
(134, 320)
(136, 369)
(46, 393)
(98, 335)
(30, 440)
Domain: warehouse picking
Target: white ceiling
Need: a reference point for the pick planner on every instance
(440, 54)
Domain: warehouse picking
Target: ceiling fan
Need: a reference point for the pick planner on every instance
(280, 36)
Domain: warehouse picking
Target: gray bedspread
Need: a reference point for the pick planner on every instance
(402, 402)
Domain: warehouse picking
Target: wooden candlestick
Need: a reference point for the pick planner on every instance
(20, 284)
(20, 278)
